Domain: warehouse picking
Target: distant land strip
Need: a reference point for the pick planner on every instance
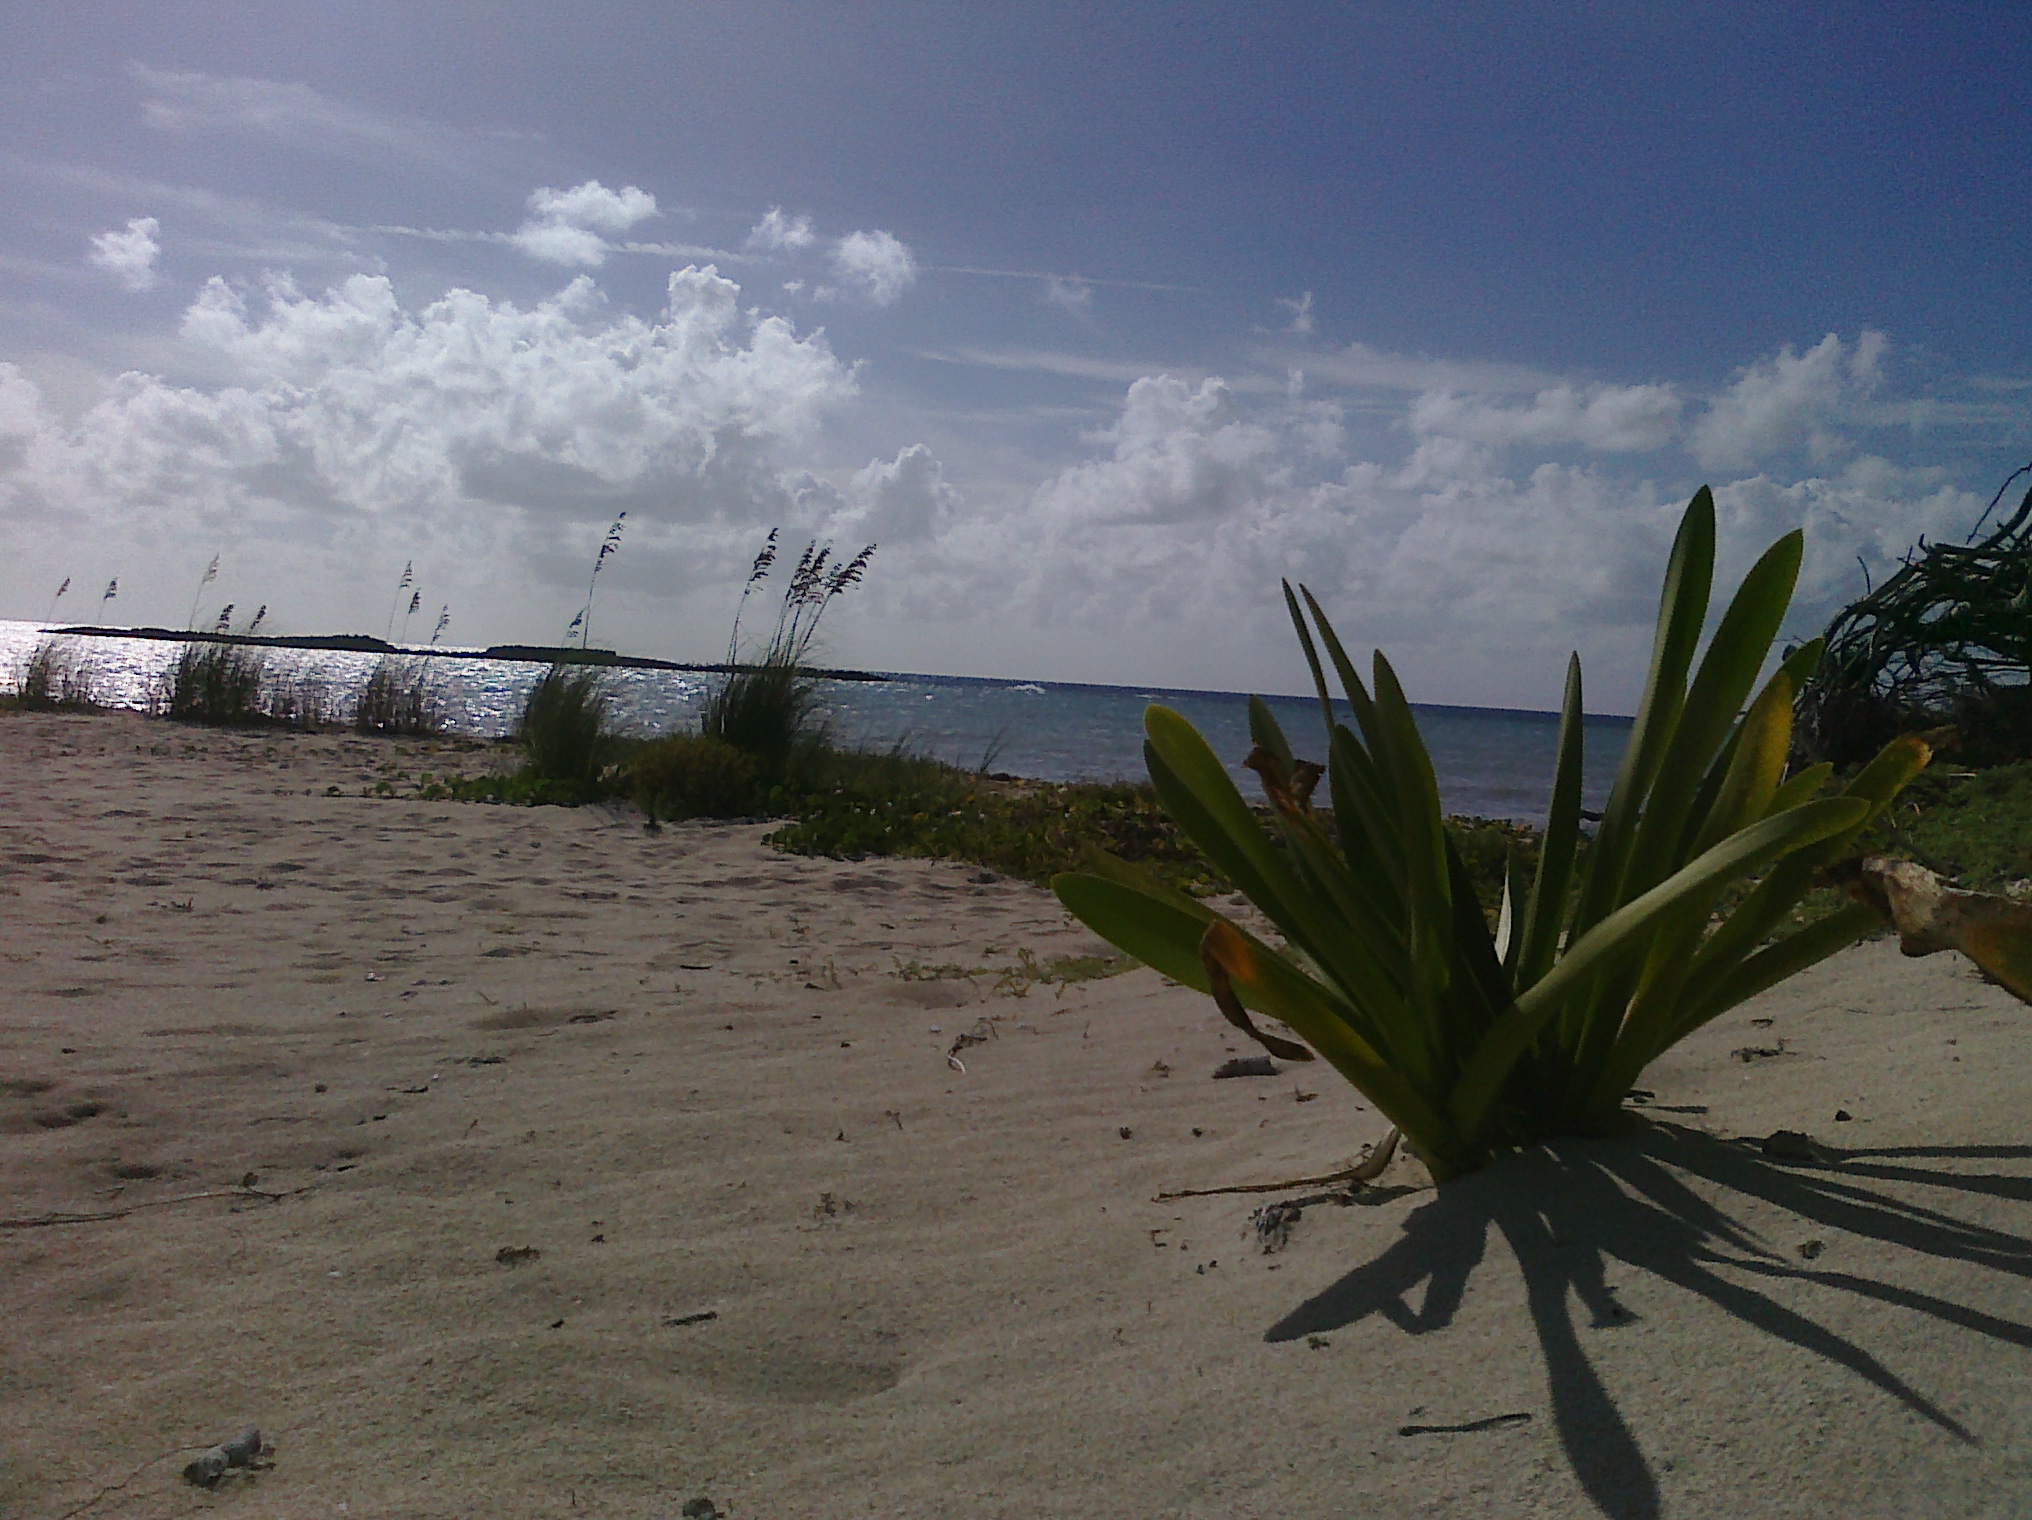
(366, 643)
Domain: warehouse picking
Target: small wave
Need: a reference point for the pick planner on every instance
(1030, 686)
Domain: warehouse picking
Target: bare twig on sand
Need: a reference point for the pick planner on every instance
(43, 1221)
(1365, 1171)
(114, 1488)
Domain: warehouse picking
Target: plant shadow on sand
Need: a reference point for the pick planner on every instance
(1567, 1208)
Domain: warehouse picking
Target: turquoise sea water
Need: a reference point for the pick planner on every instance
(1490, 762)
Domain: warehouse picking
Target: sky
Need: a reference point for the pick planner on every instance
(1098, 320)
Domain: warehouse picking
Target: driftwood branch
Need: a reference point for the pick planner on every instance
(1930, 916)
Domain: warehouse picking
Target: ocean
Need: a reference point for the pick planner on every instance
(1490, 762)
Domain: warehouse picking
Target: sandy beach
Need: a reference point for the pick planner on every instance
(555, 1167)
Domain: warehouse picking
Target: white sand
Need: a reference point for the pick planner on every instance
(936, 1294)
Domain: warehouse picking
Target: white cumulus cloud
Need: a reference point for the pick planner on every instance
(776, 231)
(876, 264)
(572, 226)
(1789, 401)
(495, 431)
(1177, 453)
(903, 500)
(129, 255)
(1477, 566)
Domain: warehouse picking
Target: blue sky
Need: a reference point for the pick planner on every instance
(1099, 320)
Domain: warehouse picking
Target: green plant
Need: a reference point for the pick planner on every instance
(564, 725)
(762, 710)
(399, 697)
(694, 776)
(876, 804)
(215, 682)
(765, 708)
(56, 675)
(1473, 1041)
(1972, 826)
(300, 700)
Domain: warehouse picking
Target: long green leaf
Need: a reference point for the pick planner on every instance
(1213, 815)
(1479, 990)
(1510, 915)
(1311, 659)
(1756, 765)
(1161, 935)
(1623, 934)
(1682, 607)
(1742, 799)
(1284, 992)
(1199, 794)
(1365, 822)
(1774, 963)
(1370, 782)
(1802, 787)
(1727, 671)
(1545, 912)
(1766, 969)
(1368, 923)
(1351, 683)
(1428, 891)
(1765, 908)
(1265, 732)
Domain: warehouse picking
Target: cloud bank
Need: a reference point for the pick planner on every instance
(1476, 560)
(1477, 518)
(493, 431)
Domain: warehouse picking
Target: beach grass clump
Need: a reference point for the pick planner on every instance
(215, 682)
(299, 699)
(765, 707)
(399, 697)
(763, 711)
(1472, 1040)
(566, 727)
(57, 675)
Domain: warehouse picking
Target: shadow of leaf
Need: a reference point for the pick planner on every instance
(1566, 1210)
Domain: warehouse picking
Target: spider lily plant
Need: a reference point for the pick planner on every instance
(1473, 1041)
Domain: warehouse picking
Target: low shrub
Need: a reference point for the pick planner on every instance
(521, 789)
(564, 726)
(1974, 827)
(1026, 830)
(301, 700)
(399, 698)
(694, 776)
(854, 803)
